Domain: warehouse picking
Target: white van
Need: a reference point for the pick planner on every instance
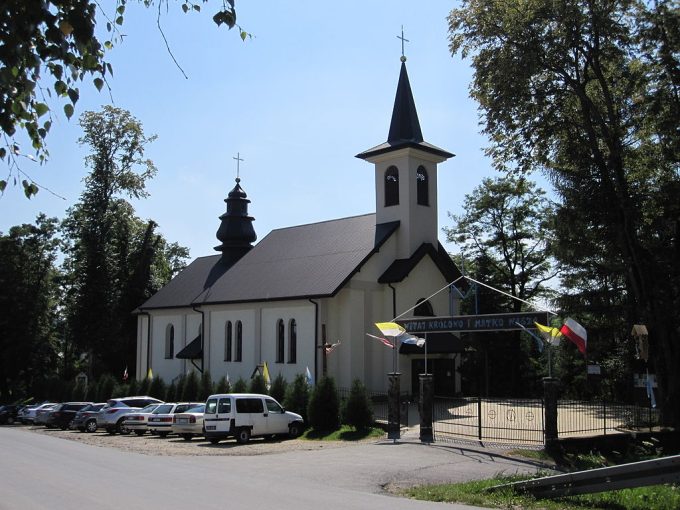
(242, 415)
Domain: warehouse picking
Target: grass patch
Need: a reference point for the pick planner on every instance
(661, 497)
(344, 433)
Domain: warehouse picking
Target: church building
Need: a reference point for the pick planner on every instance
(301, 288)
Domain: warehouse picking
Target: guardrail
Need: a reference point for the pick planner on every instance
(624, 476)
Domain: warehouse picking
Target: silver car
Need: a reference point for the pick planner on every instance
(112, 415)
(160, 421)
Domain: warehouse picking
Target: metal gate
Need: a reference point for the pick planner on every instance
(497, 420)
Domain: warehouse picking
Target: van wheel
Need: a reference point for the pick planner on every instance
(294, 429)
(90, 426)
(243, 435)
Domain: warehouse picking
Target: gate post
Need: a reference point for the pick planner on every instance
(425, 407)
(393, 406)
(550, 419)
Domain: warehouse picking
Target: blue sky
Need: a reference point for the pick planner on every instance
(314, 87)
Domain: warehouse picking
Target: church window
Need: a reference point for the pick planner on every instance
(292, 341)
(391, 186)
(280, 340)
(238, 356)
(169, 341)
(423, 308)
(227, 341)
(422, 186)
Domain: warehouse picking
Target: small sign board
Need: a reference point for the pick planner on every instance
(474, 323)
(594, 370)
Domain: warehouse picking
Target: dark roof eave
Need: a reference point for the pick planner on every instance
(386, 147)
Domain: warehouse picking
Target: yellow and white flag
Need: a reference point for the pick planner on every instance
(390, 328)
(265, 376)
(550, 335)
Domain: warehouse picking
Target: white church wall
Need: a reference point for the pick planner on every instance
(216, 339)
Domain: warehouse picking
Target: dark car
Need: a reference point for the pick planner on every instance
(85, 420)
(62, 415)
(8, 414)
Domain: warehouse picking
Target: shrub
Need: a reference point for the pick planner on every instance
(324, 406)
(205, 388)
(190, 388)
(79, 392)
(134, 387)
(157, 388)
(171, 393)
(357, 410)
(105, 388)
(144, 386)
(257, 385)
(240, 386)
(278, 389)
(297, 396)
(223, 386)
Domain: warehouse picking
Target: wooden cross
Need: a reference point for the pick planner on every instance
(238, 166)
(403, 40)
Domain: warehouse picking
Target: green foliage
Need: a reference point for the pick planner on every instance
(323, 410)
(223, 386)
(356, 410)
(55, 48)
(278, 389)
(240, 386)
(105, 387)
(257, 385)
(206, 387)
(190, 388)
(144, 386)
(157, 388)
(297, 396)
(29, 299)
(171, 393)
(133, 388)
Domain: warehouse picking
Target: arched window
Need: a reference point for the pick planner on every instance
(227, 341)
(239, 342)
(169, 341)
(422, 186)
(292, 341)
(280, 340)
(423, 308)
(391, 186)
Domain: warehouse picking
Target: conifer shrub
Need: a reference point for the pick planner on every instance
(223, 386)
(190, 388)
(323, 410)
(105, 388)
(133, 389)
(158, 388)
(79, 393)
(171, 392)
(257, 385)
(144, 386)
(297, 396)
(240, 386)
(278, 389)
(205, 388)
(120, 390)
(356, 410)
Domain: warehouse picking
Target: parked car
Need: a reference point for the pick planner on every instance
(28, 416)
(85, 420)
(243, 415)
(189, 423)
(112, 414)
(43, 413)
(136, 422)
(8, 414)
(62, 414)
(160, 421)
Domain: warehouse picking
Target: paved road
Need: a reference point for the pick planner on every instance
(43, 472)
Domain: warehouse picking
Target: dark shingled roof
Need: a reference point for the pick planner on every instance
(193, 350)
(300, 262)
(400, 268)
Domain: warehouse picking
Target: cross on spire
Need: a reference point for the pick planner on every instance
(403, 40)
(238, 165)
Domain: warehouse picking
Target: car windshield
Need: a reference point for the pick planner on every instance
(164, 409)
(148, 408)
(197, 409)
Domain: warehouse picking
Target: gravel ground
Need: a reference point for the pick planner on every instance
(176, 446)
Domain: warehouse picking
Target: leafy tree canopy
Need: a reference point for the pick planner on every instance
(47, 49)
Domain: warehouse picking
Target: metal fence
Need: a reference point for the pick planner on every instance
(577, 418)
(521, 421)
(484, 419)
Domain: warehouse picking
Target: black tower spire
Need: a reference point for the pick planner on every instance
(236, 231)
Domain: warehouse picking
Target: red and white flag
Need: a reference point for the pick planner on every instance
(125, 374)
(576, 333)
(385, 341)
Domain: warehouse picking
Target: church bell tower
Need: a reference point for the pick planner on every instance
(406, 174)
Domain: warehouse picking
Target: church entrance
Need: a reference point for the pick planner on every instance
(443, 372)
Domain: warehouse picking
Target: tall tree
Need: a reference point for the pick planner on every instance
(51, 46)
(114, 259)
(28, 300)
(505, 231)
(587, 91)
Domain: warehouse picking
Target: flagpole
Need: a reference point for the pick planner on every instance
(425, 353)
